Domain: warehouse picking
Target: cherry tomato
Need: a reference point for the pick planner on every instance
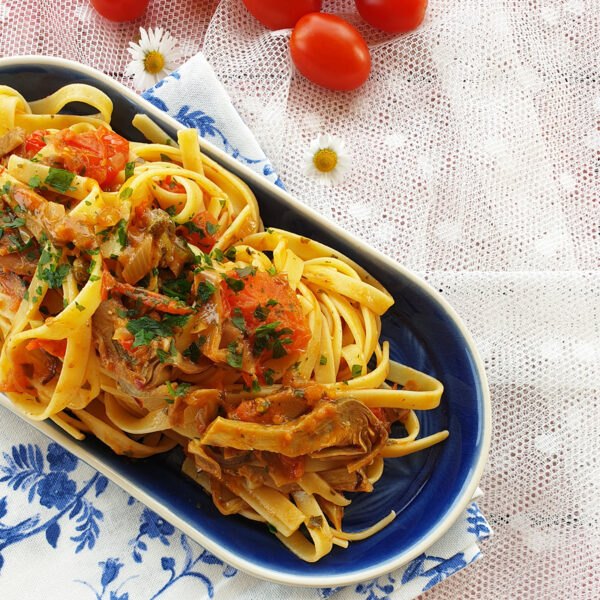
(330, 52)
(202, 231)
(120, 10)
(281, 14)
(393, 16)
(98, 153)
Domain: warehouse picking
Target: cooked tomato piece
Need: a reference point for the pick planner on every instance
(378, 412)
(292, 468)
(55, 347)
(169, 184)
(255, 410)
(98, 153)
(127, 343)
(35, 141)
(202, 231)
(264, 300)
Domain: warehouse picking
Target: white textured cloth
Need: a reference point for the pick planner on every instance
(475, 149)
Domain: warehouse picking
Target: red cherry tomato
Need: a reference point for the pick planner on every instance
(393, 16)
(281, 14)
(120, 10)
(330, 52)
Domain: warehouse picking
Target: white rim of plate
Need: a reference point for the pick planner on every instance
(460, 502)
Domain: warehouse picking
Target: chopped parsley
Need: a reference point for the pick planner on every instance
(245, 271)
(35, 182)
(7, 223)
(205, 290)
(45, 257)
(175, 320)
(60, 180)
(129, 168)
(5, 189)
(218, 254)
(256, 388)
(323, 360)
(54, 274)
(121, 227)
(238, 320)
(356, 371)
(126, 193)
(266, 337)
(166, 356)
(192, 352)
(193, 228)
(182, 389)
(261, 313)
(272, 270)
(162, 355)
(179, 288)
(268, 374)
(146, 329)
(230, 253)
(211, 228)
(17, 244)
(237, 285)
(165, 158)
(79, 307)
(271, 528)
(206, 258)
(234, 358)
(127, 314)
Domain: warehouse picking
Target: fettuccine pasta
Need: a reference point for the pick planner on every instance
(143, 302)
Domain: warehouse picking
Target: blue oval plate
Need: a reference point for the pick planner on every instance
(428, 490)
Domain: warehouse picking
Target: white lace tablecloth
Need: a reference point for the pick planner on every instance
(476, 160)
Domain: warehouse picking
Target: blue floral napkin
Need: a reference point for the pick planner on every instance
(87, 538)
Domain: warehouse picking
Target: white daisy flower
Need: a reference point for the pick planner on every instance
(153, 58)
(326, 160)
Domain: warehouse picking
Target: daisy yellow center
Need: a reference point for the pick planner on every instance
(325, 160)
(154, 62)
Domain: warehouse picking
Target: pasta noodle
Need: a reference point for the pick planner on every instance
(143, 302)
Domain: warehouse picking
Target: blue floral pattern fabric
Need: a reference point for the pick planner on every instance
(90, 539)
(195, 97)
